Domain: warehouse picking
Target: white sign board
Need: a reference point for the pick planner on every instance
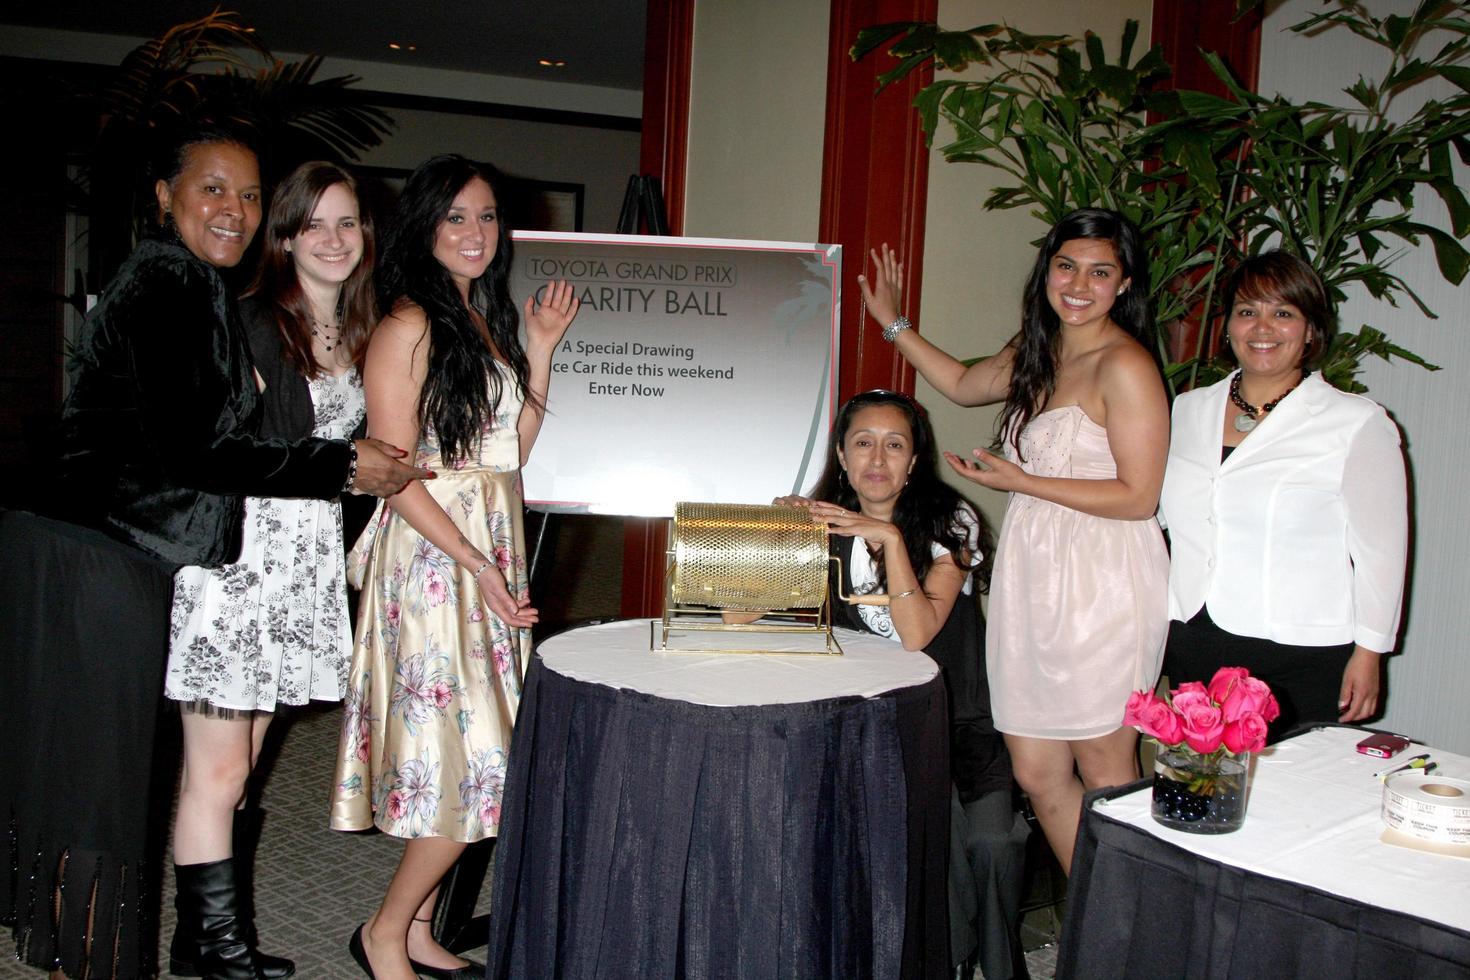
(697, 369)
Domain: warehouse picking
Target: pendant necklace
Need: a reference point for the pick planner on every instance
(328, 343)
(1247, 419)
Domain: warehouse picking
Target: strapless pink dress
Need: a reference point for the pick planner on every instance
(1078, 604)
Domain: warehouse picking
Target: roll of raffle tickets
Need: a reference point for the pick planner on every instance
(1428, 808)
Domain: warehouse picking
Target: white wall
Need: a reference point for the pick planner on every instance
(976, 261)
(1429, 683)
(756, 114)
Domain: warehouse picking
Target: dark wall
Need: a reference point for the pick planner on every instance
(43, 130)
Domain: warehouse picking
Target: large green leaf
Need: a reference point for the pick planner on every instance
(1096, 58)
(1407, 74)
(1227, 77)
(1396, 30)
(1343, 360)
(905, 66)
(1453, 259)
(1152, 65)
(1454, 200)
(1200, 107)
(1364, 93)
(1130, 34)
(1456, 74)
(870, 38)
(954, 51)
(1117, 83)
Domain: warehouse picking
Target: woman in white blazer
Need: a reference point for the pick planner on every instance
(1287, 511)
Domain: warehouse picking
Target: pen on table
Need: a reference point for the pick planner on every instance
(1415, 762)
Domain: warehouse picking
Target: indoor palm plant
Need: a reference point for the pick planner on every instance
(1208, 178)
(213, 69)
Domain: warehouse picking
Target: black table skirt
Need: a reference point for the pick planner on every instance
(1139, 907)
(645, 837)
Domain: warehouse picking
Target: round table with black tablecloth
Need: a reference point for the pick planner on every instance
(723, 815)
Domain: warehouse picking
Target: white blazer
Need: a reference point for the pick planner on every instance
(1302, 534)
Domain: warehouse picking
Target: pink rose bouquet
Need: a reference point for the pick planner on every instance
(1206, 733)
(1228, 716)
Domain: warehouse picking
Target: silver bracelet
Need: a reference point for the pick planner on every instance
(891, 332)
(902, 595)
(351, 469)
(483, 565)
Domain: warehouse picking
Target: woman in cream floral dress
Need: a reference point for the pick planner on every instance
(443, 632)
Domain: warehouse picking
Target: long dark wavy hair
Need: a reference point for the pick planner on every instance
(275, 280)
(455, 401)
(925, 509)
(1039, 343)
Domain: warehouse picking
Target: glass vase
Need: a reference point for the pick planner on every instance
(1200, 794)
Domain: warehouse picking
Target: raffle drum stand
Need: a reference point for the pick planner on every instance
(745, 559)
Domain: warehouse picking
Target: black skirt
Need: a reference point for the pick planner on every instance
(1305, 680)
(82, 652)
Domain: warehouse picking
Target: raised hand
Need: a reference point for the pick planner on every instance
(547, 320)
(884, 295)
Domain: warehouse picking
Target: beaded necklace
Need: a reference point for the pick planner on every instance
(1250, 416)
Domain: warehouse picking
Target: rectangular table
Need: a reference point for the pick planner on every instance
(1304, 888)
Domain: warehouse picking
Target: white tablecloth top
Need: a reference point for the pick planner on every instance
(617, 655)
(1313, 818)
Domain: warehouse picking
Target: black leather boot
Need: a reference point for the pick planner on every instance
(207, 899)
(246, 838)
(212, 939)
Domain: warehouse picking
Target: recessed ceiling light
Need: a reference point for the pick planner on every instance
(551, 63)
(396, 46)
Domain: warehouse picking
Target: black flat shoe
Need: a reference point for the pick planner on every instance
(470, 971)
(355, 947)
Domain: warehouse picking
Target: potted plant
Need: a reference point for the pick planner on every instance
(213, 69)
(1212, 178)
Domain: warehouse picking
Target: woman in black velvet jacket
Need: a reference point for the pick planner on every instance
(158, 444)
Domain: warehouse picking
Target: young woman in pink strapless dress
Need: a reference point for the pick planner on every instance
(1078, 602)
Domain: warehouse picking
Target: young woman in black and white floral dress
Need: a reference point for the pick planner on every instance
(272, 628)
